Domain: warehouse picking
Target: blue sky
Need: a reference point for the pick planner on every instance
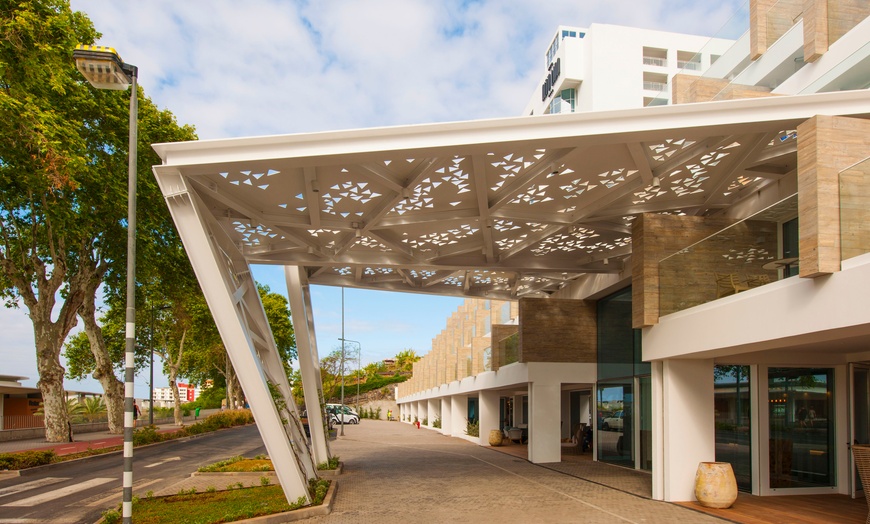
(264, 67)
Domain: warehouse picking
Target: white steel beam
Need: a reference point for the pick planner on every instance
(218, 272)
(306, 348)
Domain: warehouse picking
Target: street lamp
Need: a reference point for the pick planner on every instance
(103, 68)
(358, 369)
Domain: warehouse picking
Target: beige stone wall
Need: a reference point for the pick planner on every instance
(769, 20)
(654, 237)
(826, 146)
(557, 330)
(687, 89)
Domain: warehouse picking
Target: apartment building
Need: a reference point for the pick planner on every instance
(696, 271)
(606, 67)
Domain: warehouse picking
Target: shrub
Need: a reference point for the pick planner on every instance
(26, 459)
(437, 423)
(146, 435)
(331, 464)
(472, 428)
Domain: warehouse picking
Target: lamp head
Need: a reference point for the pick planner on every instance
(103, 67)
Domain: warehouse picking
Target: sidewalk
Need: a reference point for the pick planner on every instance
(82, 442)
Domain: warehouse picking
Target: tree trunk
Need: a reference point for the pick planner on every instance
(104, 370)
(238, 396)
(48, 337)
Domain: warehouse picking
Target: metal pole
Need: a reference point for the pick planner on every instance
(151, 383)
(127, 505)
(358, 369)
(341, 409)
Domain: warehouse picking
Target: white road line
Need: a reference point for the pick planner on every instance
(47, 481)
(62, 492)
(163, 462)
(117, 493)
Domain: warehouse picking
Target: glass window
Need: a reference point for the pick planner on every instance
(615, 407)
(618, 344)
(733, 414)
(487, 359)
(790, 245)
(801, 427)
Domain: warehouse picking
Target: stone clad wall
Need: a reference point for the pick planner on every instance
(557, 330)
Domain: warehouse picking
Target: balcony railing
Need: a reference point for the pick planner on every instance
(23, 421)
(688, 64)
(508, 349)
(654, 86)
(855, 210)
(737, 258)
(652, 60)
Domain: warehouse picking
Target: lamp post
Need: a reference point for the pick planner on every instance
(151, 383)
(104, 69)
(358, 369)
(341, 409)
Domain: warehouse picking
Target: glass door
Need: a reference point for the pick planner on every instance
(860, 433)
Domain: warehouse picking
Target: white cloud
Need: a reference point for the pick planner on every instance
(260, 67)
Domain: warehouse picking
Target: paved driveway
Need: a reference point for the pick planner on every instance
(397, 473)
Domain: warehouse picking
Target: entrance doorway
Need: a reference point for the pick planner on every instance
(860, 426)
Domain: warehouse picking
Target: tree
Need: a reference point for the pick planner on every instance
(47, 253)
(62, 203)
(405, 361)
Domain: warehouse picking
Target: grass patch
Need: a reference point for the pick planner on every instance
(240, 464)
(217, 506)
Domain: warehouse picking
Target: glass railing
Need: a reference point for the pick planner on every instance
(780, 18)
(741, 256)
(855, 210)
(728, 36)
(508, 350)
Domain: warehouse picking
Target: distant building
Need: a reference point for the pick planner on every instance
(187, 392)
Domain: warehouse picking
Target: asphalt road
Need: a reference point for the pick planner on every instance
(80, 491)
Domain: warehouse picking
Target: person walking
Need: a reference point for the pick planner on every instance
(135, 413)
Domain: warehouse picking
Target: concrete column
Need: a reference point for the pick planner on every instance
(434, 410)
(687, 426)
(459, 414)
(446, 416)
(414, 412)
(488, 401)
(544, 422)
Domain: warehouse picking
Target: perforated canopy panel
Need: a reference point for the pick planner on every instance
(497, 208)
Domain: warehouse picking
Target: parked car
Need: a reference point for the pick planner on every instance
(613, 422)
(339, 414)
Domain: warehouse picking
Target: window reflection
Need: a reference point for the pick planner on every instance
(733, 416)
(800, 401)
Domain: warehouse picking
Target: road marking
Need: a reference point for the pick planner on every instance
(163, 462)
(62, 492)
(117, 493)
(47, 481)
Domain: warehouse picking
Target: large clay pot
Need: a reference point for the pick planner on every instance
(495, 437)
(715, 485)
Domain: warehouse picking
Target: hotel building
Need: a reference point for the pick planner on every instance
(697, 270)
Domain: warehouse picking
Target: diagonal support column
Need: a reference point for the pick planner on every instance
(224, 276)
(306, 348)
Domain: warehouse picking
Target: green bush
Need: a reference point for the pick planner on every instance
(472, 428)
(146, 435)
(26, 459)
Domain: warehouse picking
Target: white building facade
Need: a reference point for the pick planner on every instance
(606, 67)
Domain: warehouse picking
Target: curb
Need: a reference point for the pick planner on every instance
(302, 513)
